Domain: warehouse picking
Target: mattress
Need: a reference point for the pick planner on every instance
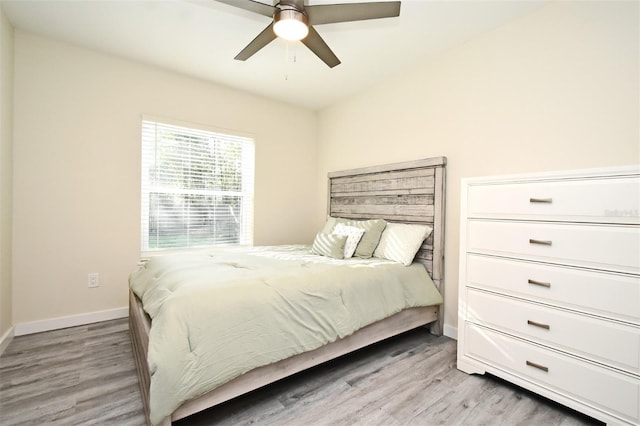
(218, 314)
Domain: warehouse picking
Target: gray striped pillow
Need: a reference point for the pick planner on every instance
(329, 245)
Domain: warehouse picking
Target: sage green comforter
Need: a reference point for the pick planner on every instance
(219, 314)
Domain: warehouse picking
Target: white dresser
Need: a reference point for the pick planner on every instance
(550, 286)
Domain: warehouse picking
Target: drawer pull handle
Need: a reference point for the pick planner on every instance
(538, 366)
(540, 283)
(542, 242)
(541, 200)
(539, 324)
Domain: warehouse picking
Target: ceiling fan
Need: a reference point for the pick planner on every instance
(292, 20)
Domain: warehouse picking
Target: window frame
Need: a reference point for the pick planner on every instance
(248, 182)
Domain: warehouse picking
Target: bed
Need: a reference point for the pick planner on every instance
(409, 193)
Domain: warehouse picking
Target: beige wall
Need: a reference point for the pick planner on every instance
(77, 155)
(6, 168)
(557, 89)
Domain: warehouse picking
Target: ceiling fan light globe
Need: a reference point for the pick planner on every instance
(291, 25)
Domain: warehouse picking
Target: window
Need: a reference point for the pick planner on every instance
(197, 187)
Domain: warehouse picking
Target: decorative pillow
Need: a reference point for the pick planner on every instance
(329, 245)
(353, 235)
(400, 242)
(372, 231)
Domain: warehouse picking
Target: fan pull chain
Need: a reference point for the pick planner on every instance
(294, 59)
(286, 62)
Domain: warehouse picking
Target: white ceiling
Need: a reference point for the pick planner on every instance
(200, 38)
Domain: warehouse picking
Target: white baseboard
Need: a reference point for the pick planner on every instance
(6, 339)
(450, 331)
(23, 328)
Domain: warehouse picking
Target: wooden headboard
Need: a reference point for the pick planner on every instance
(408, 192)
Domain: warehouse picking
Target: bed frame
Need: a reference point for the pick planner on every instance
(408, 192)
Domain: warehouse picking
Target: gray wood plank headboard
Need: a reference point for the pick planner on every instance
(407, 192)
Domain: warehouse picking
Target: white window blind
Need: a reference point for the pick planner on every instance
(197, 187)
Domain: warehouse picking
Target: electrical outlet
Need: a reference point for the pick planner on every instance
(93, 280)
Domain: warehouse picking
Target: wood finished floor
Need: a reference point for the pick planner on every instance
(86, 376)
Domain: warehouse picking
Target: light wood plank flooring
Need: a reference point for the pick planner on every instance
(86, 376)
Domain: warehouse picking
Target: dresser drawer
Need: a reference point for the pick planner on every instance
(599, 293)
(615, 248)
(608, 200)
(614, 393)
(600, 340)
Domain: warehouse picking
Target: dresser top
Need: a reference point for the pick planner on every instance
(594, 173)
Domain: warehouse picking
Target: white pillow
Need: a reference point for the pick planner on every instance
(400, 242)
(353, 235)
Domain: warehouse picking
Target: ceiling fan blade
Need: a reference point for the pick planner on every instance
(333, 13)
(317, 45)
(265, 37)
(252, 6)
